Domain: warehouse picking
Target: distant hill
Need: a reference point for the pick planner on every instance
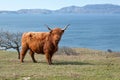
(96, 8)
(93, 9)
(34, 11)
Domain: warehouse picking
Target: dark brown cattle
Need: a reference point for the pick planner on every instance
(41, 43)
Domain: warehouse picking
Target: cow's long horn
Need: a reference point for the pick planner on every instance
(66, 27)
(48, 27)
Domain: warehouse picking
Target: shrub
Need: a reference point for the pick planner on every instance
(67, 51)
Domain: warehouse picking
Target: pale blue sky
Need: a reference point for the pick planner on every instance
(49, 4)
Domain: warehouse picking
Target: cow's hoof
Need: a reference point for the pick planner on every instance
(50, 63)
(35, 61)
(21, 61)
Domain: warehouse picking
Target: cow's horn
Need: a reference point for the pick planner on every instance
(66, 27)
(48, 27)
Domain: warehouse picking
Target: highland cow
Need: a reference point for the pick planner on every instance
(41, 43)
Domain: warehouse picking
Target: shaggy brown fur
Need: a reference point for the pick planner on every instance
(41, 43)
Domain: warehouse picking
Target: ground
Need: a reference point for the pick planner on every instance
(87, 65)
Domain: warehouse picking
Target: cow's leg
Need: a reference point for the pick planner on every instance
(32, 56)
(23, 53)
(48, 58)
(51, 58)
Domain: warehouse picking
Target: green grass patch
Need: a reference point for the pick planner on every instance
(88, 65)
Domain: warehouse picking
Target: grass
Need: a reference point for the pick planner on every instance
(88, 65)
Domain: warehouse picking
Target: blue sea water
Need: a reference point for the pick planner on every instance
(95, 31)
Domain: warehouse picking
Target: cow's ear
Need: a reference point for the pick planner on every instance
(63, 31)
(50, 31)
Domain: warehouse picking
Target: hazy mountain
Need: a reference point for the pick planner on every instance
(8, 12)
(96, 8)
(34, 11)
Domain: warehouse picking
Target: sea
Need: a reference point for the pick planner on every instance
(93, 31)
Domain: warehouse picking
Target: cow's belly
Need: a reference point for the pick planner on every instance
(37, 48)
(38, 51)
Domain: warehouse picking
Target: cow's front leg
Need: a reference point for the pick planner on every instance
(48, 58)
(51, 58)
(32, 56)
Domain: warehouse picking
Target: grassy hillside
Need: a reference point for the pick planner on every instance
(87, 65)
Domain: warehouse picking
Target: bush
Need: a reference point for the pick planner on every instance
(67, 51)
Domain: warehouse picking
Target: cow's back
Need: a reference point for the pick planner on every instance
(34, 40)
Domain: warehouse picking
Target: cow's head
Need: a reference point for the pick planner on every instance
(56, 33)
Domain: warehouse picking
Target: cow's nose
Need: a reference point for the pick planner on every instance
(57, 41)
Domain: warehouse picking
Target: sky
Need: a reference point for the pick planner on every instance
(49, 4)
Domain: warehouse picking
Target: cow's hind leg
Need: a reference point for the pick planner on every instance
(32, 56)
(23, 53)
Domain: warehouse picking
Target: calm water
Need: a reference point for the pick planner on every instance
(86, 31)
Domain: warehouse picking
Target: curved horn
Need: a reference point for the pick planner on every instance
(48, 27)
(66, 27)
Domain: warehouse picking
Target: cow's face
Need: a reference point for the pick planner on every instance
(56, 34)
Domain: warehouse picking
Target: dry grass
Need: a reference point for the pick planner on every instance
(88, 65)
